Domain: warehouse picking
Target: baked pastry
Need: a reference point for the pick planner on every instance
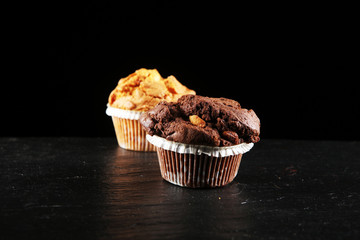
(200, 140)
(134, 94)
(143, 89)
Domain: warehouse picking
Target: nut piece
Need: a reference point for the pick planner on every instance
(197, 121)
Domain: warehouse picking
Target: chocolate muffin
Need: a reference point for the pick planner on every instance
(195, 119)
(200, 140)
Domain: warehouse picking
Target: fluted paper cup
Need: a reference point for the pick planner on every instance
(128, 130)
(198, 166)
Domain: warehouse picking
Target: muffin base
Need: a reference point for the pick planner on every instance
(130, 135)
(197, 171)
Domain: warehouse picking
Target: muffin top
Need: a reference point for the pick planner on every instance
(195, 119)
(142, 90)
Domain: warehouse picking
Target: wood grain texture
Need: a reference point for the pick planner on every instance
(66, 188)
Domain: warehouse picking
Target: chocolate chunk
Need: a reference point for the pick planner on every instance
(231, 137)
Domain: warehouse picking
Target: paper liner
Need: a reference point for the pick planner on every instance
(129, 132)
(197, 171)
(199, 149)
(127, 114)
(198, 166)
(130, 135)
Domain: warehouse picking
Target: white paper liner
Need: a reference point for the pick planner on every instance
(199, 149)
(121, 113)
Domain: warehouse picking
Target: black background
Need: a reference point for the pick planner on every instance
(294, 65)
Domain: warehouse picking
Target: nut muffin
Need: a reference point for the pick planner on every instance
(135, 94)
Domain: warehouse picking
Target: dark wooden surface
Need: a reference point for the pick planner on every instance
(76, 188)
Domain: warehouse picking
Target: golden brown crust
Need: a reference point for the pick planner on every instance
(142, 90)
